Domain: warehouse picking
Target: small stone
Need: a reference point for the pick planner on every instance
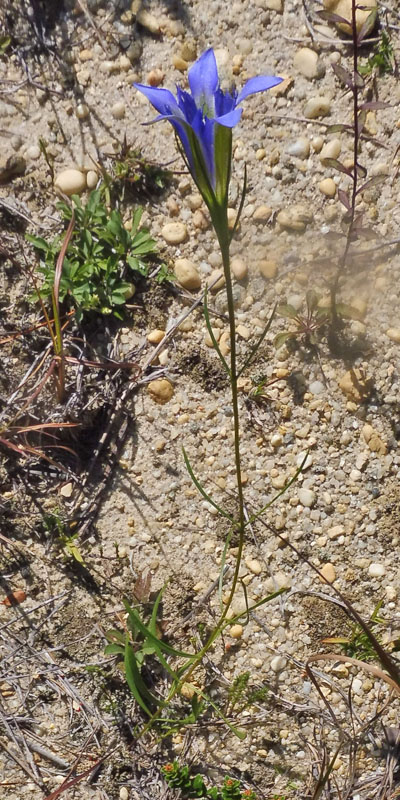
(82, 111)
(232, 214)
(174, 232)
(239, 268)
(66, 490)
(335, 531)
(86, 55)
(188, 691)
(155, 77)
(268, 267)
(262, 214)
(306, 497)
(343, 9)
(124, 63)
(243, 332)
(70, 181)
(179, 63)
(200, 221)
(236, 631)
(328, 572)
(123, 793)
(216, 274)
(295, 218)
(160, 391)
(91, 179)
(299, 148)
(306, 62)
(304, 460)
(17, 142)
(118, 110)
(330, 150)
(187, 274)
(11, 166)
(33, 152)
(254, 566)
(376, 570)
(316, 387)
(278, 663)
(327, 187)
(317, 144)
(276, 440)
(393, 334)
(208, 340)
(189, 50)
(148, 21)
(156, 336)
(274, 5)
(356, 385)
(317, 107)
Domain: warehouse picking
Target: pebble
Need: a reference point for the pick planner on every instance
(294, 218)
(254, 566)
(236, 631)
(330, 150)
(276, 440)
(91, 179)
(82, 111)
(317, 107)
(17, 142)
(179, 63)
(327, 187)
(262, 214)
(216, 273)
(306, 62)
(376, 570)
(268, 267)
(328, 572)
(243, 332)
(148, 21)
(187, 274)
(316, 387)
(156, 336)
(123, 793)
(306, 497)
(343, 9)
(355, 385)
(300, 148)
(160, 391)
(394, 334)
(70, 181)
(174, 232)
(278, 663)
(189, 50)
(274, 5)
(155, 77)
(118, 110)
(239, 268)
(33, 152)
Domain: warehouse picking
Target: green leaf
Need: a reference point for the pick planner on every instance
(135, 681)
(281, 338)
(113, 650)
(287, 311)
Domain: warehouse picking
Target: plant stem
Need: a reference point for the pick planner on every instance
(349, 237)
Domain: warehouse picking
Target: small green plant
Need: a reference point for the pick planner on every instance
(309, 325)
(241, 695)
(100, 256)
(358, 644)
(131, 176)
(194, 786)
(382, 60)
(67, 541)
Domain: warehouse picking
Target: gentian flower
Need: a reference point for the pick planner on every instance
(203, 120)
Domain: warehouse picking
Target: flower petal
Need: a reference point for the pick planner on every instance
(162, 99)
(258, 84)
(231, 119)
(203, 79)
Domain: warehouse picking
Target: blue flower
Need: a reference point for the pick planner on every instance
(203, 120)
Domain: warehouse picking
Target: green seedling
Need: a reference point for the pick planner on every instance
(308, 325)
(54, 524)
(102, 259)
(382, 60)
(241, 695)
(358, 644)
(179, 777)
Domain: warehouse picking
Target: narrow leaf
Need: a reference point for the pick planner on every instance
(374, 105)
(367, 26)
(135, 680)
(335, 164)
(344, 199)
(202, 491)
(329, 16)
(375, 181)
(343, 75)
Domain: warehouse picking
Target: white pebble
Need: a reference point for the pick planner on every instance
(91, 179)
(118, 110)
(174, 232)
(187, 274)
(33, 152)
(376, 570)
(70, 181)
(123, 793)
(307, 63)
(306, 497)
(316, 387)
(317, 107)
(300, 148)
(278, 663)
(327, 187)
(330, 150)
(239, 268)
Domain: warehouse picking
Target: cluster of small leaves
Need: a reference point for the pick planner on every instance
(194, 786)
(311, 324)
(382, 60)
(99, 258)
(54, 524)
(241, 695)
(357, 644)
